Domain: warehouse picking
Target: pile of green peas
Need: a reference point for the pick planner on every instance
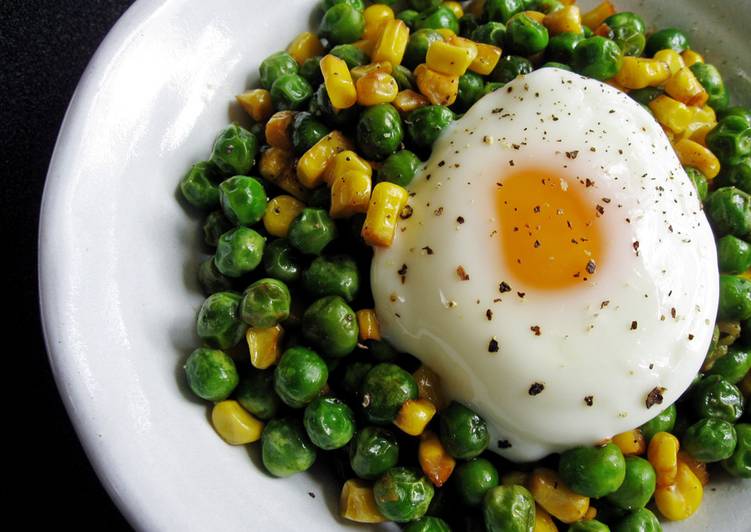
(334, 399)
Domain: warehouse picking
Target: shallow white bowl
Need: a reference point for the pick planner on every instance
(118, 258)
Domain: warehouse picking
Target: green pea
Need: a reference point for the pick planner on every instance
(211, 374)
(306, 131)
(373, 451)
(238, 251)
(214, 226)
(473, 479)
(733, 254)
(265, 303)
(290, 91)
(729, 210)
(642, 520)
(730, 140)
(491, 86)
(662, 422)
(471, 87)
(490, 33)
(198, 188)
(593, 471)
(330, 324)
(342, 23)
(637, 487)
(402, 494)
(710, 440)
(645, 95)
(300, 376)
(736, 175)
(285, 448)
(711, 80)
(243, 199)
(463, 433)
(403, 76)
(561, 47)
(379, 131)
(332, 276)
(357, 4)
(422, 5)
(732, 366)
(275, 66)
(467, 24)
(598, 58)
(553, 64)
(736, 110)
(739, 464)
(668, 38)
(627, 31)
(354, 375)
(428, 524)
(234, 150)
(509, 509)
(311, 70)
(256, 394)
(502, 10)
(509, 67)
(425, 125)
(436, 18)
(312, 231)
(329, 422)
(282, 261)
(211, 279)
(590, 525)
(417, 46)
(526, 36)
(350, 54)
(385, 388)
(320, 106)
(218, 322)
(399, 168)
(409, 17)
(699, 180)
(715, 397)
(735, 298)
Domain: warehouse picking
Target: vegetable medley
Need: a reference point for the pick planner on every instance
(340, 124)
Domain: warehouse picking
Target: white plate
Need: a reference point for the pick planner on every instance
(118, 258)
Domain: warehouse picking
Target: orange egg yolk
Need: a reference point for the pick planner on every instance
(550, 232)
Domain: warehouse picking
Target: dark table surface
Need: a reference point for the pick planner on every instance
(45, 46)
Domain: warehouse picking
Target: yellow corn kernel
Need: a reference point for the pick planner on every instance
(280, 212)
(312, 164)
(684, 87)
(672, 58)
(637, 73)
(375, 88)
(414, 415)
(537, 16)
(705, 114)
(680, 500)
(476, 8)
(435, 461)
(289, 183)
(593, 18)
(672, 114)
(486, 60)
(543, 521)
(391, 43)
(631, 442)
(456, 8)
(376, 17)
(386, 202)
(439, 89)
(591, 514)
(344, 162)
(445, 33)
(613, 83)
(273, 163)
(691, 57)
(357, 502)
(429, 386)
(362, 70)
(338, 82)
(235, 424)
(257, 103)
(555, 497)
(264, 345)
(514, 478)
(409, 100)
(277, 130)
(305, 46)
(697, 468)
(367, 322)
(450, 59)
(699, 133)
(692, 153)
(662, 453)
(350, 194)
(364, 46)
(567, 19)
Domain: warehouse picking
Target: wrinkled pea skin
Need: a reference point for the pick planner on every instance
(332, 276)
(638, 485)
(711, 80)
(699, 181)
(276, 66)
(509, 67)
(736, 175)
(493, 33)
(379, 131)
(409, 17)
(463, 433)
(285, 448)
(642, 520)
(473, 479)
(243, 199)
(730, 140)
(218, 322)
(509, 509)
(265, 303)
(331, 325)
(662, 422)
(404, 77)
(710, 440)
(713, 396)
(734, 365)
(592, 525)
(239, 251)
(290, 92)
(350, 54)
(593, 471)
(329, 422)
(627, 30)
(735, 298)
(739, 464)
(729, 210)
(211, 374)
(436, 18)
(197, 186)
(234, 150)
(402, 494)
(385, 388)
(417, 46)
(399, 168)
(428, 524)
(372, 452)
(211, 279)
(426, 124)
(306, 131)
(282, 261)
(733, 254)
(312, 231)
(471, 87)
(300, 376)
(561, 47)
(214, 226)
(256, 394)
(668, 38)
(598, 58)
(342, 23)
(526, 36)
(502, 10)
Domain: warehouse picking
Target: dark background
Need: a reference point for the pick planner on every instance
(44, 48)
